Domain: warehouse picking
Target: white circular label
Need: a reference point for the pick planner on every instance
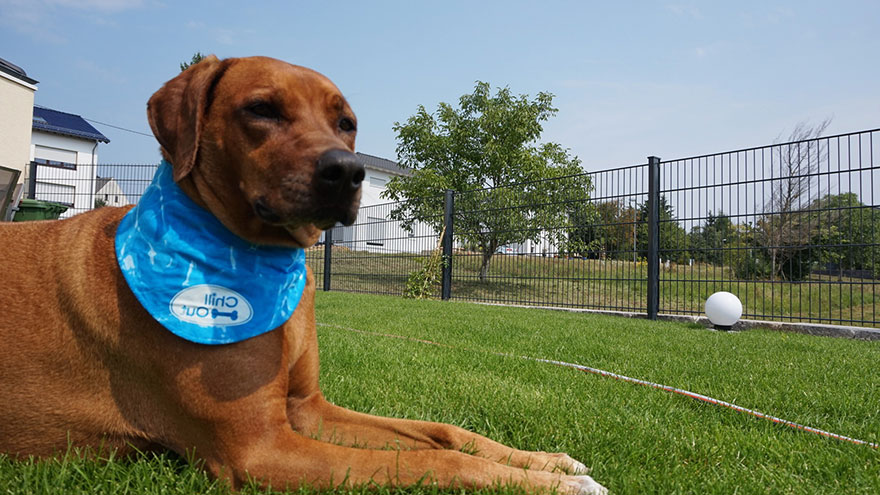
(211, 306)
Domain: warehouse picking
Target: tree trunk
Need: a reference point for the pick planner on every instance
(484, 267)
(773, 274)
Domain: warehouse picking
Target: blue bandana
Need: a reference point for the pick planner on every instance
(198, 279)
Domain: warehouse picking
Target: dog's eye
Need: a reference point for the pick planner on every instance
(347, 125)
(264, 110)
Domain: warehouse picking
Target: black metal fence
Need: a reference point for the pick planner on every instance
(792, 229)
(375, 255)
(84, 187)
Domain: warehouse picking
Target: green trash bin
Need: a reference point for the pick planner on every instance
(34, 209)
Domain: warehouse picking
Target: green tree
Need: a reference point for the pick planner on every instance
(607, 229)
(785, 229)
(707, 242)
(721, 242)
(836, 230)
(673, 238)
(744, 254)
(586, 237)
(845, 233)
(196, 58)
(623, 226)
(487, 149)
(697, 245)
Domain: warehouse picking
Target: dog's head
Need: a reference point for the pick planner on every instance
(265, 146)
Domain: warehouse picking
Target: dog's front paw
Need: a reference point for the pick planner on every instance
(566, 464)
(584, 485)
(572, 465)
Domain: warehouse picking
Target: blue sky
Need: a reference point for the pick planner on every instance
(631, 79)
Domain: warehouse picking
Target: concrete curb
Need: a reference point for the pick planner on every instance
(839, 331)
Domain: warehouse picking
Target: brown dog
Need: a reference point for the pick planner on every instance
(266, 147)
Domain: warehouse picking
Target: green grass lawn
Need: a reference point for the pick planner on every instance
(636, 439)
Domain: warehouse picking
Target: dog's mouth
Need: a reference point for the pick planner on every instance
(265, 213)
(322, 218)
(328, 194)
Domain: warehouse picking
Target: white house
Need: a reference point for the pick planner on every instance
(108, 193)
(64, 149)
(378, 172)
(374, 230)
(16, 110)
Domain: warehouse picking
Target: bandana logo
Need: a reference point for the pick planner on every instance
(209, 305)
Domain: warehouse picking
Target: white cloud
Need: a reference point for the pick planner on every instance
(19, 11)
(98, 71)
(685, 10)
(37, 17)
(27, 16)
(715, 50)
(575, 83)
(99, 5)
(220, 35)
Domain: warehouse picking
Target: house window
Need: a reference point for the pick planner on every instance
(55, 157)
(378, 181)
(57, 193)
(343, 236)
(54, 163)
(375, 231)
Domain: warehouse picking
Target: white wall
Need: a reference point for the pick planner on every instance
(111, 194)
(373, 185)
(76, 187)
(16, 119)
(373, 231)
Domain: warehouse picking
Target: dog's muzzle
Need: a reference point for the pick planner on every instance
(337, 180)
(335, 196)
(339, 174)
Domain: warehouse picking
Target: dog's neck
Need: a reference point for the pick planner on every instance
(198, 279)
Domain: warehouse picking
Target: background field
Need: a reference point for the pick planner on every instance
(636, 439)
(610, 284)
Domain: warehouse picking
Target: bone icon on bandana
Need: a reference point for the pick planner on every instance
(211, 305)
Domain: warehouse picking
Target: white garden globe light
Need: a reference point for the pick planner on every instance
(723, 309)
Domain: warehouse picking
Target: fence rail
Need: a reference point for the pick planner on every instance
(792, 229)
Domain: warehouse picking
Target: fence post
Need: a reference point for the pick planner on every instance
(448, 214)
(32, 181)
(653, 237)
(328, 248)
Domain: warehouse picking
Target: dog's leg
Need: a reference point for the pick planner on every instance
(317, 418)
(240, 427)
(283, 459)
(313, 416)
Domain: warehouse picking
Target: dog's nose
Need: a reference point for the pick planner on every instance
(339, 172)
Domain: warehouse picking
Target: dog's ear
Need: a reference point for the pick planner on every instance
(177, 110)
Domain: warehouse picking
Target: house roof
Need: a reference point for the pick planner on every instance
(382, 164)
(15, 71)
(100, 182)
(66, 124)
